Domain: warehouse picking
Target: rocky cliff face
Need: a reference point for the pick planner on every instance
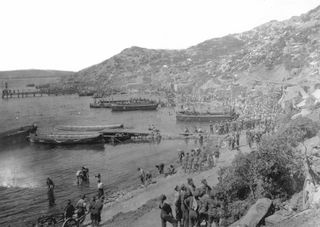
(287, 51)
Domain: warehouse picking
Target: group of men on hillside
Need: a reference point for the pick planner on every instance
(198, 159)
(193, 206)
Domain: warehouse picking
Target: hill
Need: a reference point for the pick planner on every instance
(33, 73)
(278, 52)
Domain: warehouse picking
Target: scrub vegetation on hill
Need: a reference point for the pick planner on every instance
(274, 170)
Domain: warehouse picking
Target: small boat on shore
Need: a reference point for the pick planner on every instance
(95, 128)
(67, 139)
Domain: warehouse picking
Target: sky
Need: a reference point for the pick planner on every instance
(75, 34)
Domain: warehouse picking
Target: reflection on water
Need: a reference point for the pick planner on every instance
(25, 167)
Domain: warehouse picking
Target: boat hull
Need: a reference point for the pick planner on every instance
(133, 107)
(88, 128)
(67, 139)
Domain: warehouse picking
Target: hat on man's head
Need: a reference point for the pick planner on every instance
(204, 181)
(163, 197)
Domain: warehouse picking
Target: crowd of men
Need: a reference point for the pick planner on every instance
(193, 206)
(254, 128)
(82, 206)
(203, 206)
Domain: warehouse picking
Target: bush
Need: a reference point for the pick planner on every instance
(274, 171)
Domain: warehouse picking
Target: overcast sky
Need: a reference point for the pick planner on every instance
(74, 34)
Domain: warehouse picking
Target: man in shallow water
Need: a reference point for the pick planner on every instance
(51, 198)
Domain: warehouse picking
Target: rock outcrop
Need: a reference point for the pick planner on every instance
(255, 214)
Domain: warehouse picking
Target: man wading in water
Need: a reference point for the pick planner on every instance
(51, 198)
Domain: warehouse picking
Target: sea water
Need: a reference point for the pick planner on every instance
(24, 167)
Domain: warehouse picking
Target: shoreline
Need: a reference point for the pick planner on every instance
(139, 207)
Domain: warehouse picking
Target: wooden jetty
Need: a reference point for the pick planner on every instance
(10, 93)
(115, 136)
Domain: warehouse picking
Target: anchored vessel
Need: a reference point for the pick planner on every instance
(105, 103)
(137, 105)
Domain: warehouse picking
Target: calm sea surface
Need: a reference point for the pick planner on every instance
(24, 167)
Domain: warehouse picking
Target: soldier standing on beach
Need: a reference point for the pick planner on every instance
(180, 155)
(216, 155)
(190, 164)
(100, 189)
(166, 213)
(99, 206)
(186, 162)
(184, 194)
(177, 203)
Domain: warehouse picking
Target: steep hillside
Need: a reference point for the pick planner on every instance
(287, 51)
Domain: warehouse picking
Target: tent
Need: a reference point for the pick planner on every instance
(316, 95)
